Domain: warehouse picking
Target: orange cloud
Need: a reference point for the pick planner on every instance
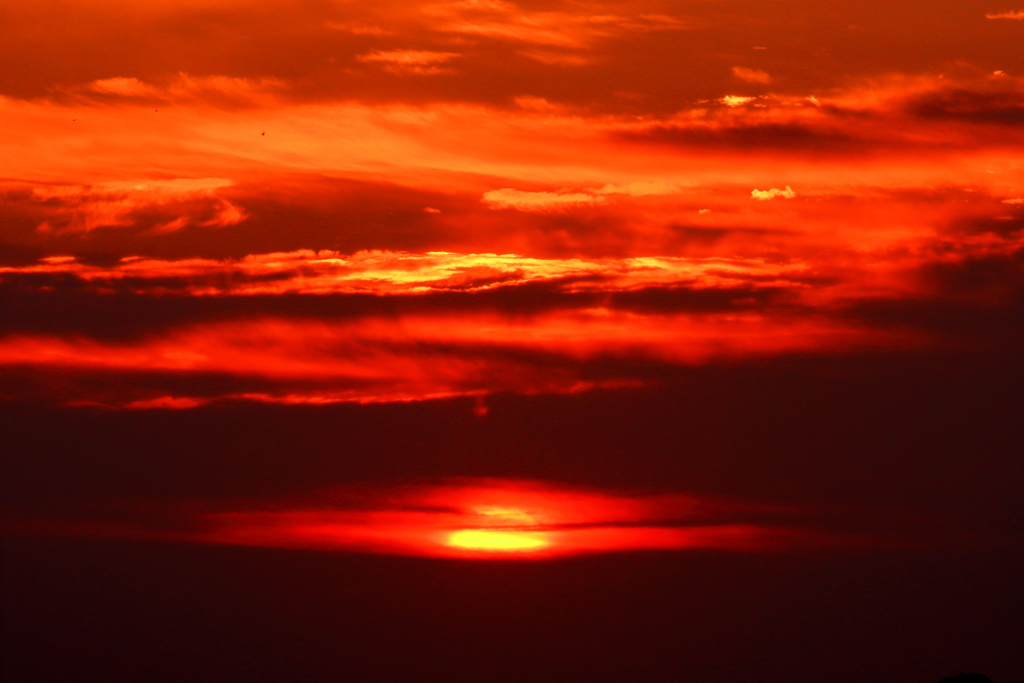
(183, 87)
(527, 146)
(410, 61)
(507, 21)
(751, 75)
(1018, 14)
(416, 357)
(116, 203)
(325, 272)
(894, 177)
(508, 198)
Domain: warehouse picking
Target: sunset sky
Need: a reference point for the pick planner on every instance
(644, 341)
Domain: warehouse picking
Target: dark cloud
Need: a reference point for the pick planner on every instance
(767, 136)
(887, 428)
(976, 303)
(1001, 108)
(298, 211)
(64, 304)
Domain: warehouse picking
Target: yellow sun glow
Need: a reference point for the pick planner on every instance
(485, 539)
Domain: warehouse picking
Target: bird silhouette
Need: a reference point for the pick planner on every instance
(263, 133)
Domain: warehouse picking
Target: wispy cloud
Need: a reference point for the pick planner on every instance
(751, 75)
(507, 198)
(410, 61)
(184, 87)
(1017, 14)
(507, 21)
(411, 357)
(117, 203)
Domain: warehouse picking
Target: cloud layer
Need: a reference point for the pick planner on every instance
(413, 202)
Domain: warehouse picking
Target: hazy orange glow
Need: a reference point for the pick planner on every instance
(499, 519)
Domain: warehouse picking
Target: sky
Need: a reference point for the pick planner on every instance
(653, 341)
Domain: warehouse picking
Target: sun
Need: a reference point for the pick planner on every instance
(497, 541)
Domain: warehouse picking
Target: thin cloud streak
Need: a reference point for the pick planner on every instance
(378, 272)
(425, 357)
(114, 203)
(1018, 14)
(477, 519)
(506, 21)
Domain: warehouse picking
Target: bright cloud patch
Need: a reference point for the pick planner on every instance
(736, 100)
(508, 198)
(765, 195)
(1018, 14)
(325, 272)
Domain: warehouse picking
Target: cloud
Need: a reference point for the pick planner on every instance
(417, 355)
(359, 29)
(83, 208)
(897, 113)
(407, 57)
(350, 177)
(507, 198)
(409, 61)
(557, 58)
(503, 20)
(538, 104)
(765, 195)
(751, 75)
(1018, 14)
(128, 87)
(641, 188)
(794, 136)
(380, 273)
(1000, 107)
(226, 90)
(736, 100)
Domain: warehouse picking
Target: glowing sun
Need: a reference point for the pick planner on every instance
(486, 539)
